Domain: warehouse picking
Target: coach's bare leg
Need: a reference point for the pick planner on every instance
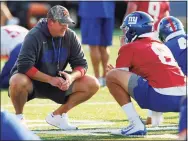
(20, 87)
(105, 58)
(83, 89)
(95, 59)
(117, 83)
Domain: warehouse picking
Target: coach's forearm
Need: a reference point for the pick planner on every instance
(75, 75)
(35, 74)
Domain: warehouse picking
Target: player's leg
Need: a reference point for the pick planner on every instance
(94, 43)
(80, 91)
(90, 31)
(95, 59)
(121, 84)
(106, 40)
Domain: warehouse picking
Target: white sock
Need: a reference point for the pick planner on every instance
(149, 113)
(20, 116)
(131, 112)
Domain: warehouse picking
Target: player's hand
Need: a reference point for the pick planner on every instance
(56, 82)
(109, 67)
(66, 84)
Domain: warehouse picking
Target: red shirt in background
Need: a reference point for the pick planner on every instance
(156, 9)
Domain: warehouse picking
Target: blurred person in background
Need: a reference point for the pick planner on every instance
(39, 71)
(172, 34)
(157, 10)
(12, 129)
(6, 16)
(11, 38)
(97, 24)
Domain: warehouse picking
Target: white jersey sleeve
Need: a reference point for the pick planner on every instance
(11, 35)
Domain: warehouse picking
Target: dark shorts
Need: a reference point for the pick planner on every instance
(47, 91)
(147, 97)
(97, 31)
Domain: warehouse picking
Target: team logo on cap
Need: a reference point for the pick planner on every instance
(65, 13)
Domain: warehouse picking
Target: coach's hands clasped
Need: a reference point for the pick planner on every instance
(61, 83)
(65, 85)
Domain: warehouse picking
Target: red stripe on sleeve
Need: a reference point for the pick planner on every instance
(32, 71)
(81, 69)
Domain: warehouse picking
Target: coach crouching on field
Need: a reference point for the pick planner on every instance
(39, 70)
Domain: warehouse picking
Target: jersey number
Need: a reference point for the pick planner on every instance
(182, 43)
(164, 55)
(154, 9)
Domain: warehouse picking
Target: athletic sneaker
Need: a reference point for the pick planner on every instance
(102, 81)
(132, 129)
(21, 118)
(60, 121)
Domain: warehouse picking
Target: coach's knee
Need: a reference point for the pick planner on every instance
(92, 85)
(19, 83)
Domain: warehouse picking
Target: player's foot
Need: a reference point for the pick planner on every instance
(102, 81)
(132, 129)
(60, 121)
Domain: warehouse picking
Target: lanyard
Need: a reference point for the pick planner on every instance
(58, 55)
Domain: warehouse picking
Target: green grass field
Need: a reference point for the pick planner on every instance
(95, 118)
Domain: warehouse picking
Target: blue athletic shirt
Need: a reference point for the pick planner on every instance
(178, 47)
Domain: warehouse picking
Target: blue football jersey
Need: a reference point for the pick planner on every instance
(178, 47)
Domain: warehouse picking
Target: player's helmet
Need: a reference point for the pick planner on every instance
(135, 24)
(169, 25)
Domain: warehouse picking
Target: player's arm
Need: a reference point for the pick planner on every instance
(167, 13)
(131, 7)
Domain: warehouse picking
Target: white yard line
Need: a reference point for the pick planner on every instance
(42, 105)
(40, 123)
(164, 136)
(100, 132)
(75, 122)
